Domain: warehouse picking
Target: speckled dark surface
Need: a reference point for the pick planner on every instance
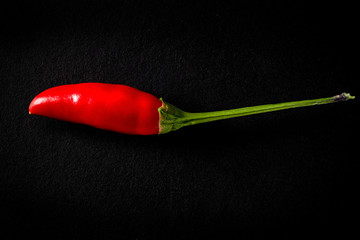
(279, 174)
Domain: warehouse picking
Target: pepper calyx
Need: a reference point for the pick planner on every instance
(171, 118)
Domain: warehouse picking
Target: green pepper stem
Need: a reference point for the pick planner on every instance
(172, 118)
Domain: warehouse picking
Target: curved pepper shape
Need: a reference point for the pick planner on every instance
(128, 110)
(112, 107)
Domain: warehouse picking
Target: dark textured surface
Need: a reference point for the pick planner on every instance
(289, 173)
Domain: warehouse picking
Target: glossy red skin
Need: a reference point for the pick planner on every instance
(112, 107)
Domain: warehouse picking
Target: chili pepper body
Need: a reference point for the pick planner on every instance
(112, 107)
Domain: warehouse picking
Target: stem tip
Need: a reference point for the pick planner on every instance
(343, 97)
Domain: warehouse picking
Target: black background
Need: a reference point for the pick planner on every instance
(289, 173)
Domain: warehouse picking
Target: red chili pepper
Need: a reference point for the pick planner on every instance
(127, 110)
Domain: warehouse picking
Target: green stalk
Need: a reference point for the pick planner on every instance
(172, 118)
